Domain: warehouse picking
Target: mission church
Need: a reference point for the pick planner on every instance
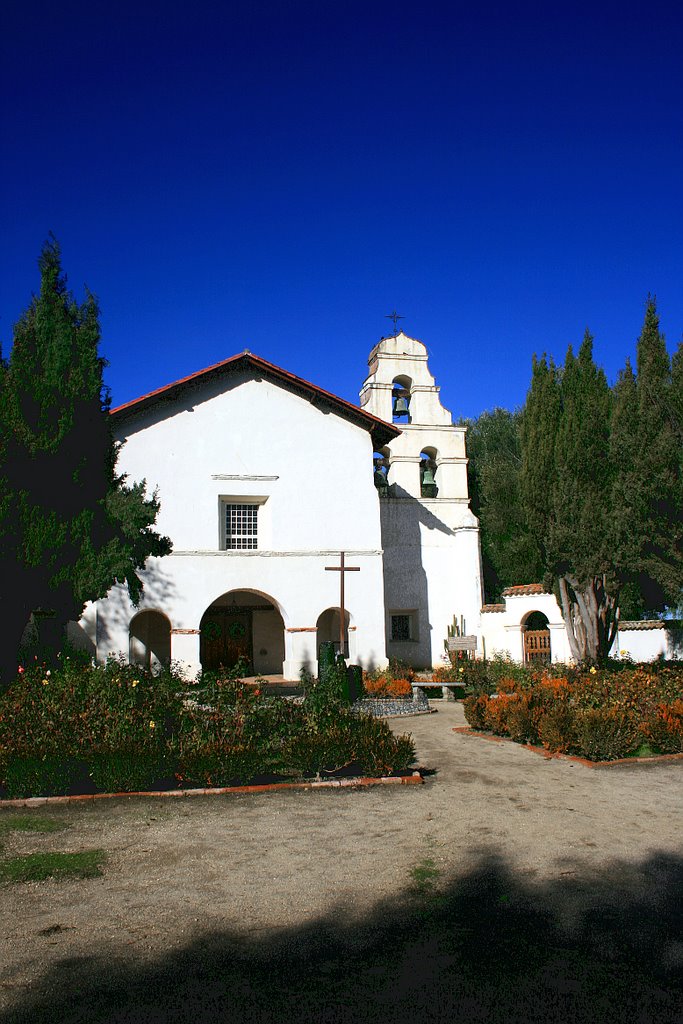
(254, 574)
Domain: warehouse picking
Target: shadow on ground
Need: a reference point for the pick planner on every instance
(489, 946)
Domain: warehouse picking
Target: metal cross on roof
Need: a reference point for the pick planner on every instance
(395, 317)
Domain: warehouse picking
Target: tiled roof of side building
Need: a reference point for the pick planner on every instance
(493, 608)
(381, 431)
(647, 624)
(524, 589)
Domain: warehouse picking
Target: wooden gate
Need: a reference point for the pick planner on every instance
(537, 646)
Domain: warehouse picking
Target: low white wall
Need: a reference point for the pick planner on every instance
(502, 633)
(658, 640)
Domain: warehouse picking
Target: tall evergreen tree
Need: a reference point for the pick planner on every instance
(601, 486)
(647, 443)
(69, 527)
(540, 419)
(628, 499)
(510, 553)
(578, 538)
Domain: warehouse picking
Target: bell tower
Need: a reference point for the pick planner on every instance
(428, 460)
(430, 538)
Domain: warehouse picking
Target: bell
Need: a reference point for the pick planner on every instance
(429, 488)
(401, 406)
(381, 482)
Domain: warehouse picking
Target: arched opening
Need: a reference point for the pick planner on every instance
(242, 626)
(400, 399)
(380, 466)
(149, 640)
(428, 484)
(327, 628)
(536, 639)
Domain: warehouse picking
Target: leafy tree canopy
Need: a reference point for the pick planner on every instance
(584, 488)
(69, 526)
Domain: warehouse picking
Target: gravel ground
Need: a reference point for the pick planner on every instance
(508, 887)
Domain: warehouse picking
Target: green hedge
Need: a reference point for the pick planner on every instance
(117, 728)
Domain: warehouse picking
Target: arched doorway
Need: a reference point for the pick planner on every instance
(242, 624)
(149, 639)
(327, 628)
(536, 639)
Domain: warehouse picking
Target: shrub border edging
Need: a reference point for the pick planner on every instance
(399, 780)
(465, 730)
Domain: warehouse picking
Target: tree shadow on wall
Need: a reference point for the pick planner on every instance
(488, 946)
(159, 593)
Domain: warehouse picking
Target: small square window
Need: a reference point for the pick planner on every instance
(241, 527)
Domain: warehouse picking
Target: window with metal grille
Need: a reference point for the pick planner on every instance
(241, 527)
(400, 627)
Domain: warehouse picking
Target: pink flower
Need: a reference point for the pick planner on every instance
(20, 669)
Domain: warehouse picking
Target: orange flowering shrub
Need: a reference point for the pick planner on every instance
(400, 688)
(664, 727)
(556, 726)
(521, 725)
(375, 686)
(475, 711)
(600, 714)
(507, 685)
(385, 687)
(495, 716)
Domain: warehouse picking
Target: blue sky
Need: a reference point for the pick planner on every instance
(278, 176)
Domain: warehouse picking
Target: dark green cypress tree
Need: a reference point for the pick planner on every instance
(69, 527)
(510, 553)
(629, 516)
(653, 506)
(602, 486)
(579, 533)
(540, 419)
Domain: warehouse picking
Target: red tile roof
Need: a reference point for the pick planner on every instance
(647, 624)
(382, 432)
(524, 589)
(493, 608)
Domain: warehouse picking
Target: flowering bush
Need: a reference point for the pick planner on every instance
(600, 714)
(663, 727)
(117, 728)
(381, 687)
(395, 681)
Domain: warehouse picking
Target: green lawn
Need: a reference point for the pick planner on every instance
(29, 823)
(35, 867)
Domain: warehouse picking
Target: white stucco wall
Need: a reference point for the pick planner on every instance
(502, 633)
(312, 471)
(656, 640)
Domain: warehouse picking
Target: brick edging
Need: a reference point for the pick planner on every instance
(390, 780)
(465, 730)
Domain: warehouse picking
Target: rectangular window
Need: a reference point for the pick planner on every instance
(400, 627)
(241, 527)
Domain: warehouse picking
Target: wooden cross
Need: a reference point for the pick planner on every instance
(341, 569)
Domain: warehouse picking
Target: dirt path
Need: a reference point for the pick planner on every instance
(249, 869)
